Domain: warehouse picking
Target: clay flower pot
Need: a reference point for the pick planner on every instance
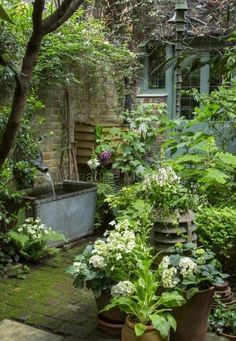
(192, 317)
(114, 315)
(109, 328)
(110, 322)
(128, 333)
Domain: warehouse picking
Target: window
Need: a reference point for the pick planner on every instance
(153, 79)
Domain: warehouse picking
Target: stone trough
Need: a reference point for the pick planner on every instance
(71, 210)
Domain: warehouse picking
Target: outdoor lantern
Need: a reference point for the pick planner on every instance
(181, 5)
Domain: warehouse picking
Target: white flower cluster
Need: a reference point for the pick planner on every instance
(187, 266)
(168, 280)
(163, 176)
(123, 288)
(167, 273)
(77, 265)
(117, 244)
(34, 228)
(97, 261)
(93, 163)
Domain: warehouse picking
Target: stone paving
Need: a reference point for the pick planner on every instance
(47, 300)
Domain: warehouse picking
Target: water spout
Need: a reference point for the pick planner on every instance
(48, 177)
(38, 164)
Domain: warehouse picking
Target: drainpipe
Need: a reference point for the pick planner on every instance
(179, 20)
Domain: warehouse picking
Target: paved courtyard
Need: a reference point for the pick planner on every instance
(47, 300)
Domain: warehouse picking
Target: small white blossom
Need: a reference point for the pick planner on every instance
(165, 263)
(124, 288)
(97, 261)
(168, 278)
(93, 163)
(187, 266)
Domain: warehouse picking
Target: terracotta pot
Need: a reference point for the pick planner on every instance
(192, 317)
(128, 333)
(225, 295)
(114, 315)
(230, 337)
(108, 328)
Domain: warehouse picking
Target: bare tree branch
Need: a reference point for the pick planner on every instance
(62, 13)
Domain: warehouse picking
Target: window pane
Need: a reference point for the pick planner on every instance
(156, 77)
(188, 103)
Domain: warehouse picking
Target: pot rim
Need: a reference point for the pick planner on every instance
(108, 324)
(132, 325)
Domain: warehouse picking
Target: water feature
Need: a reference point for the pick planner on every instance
(48, 177)
(71, 210)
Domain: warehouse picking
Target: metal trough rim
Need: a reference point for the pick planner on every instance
(92, 188)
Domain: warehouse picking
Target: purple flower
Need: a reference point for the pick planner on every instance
(105, 156)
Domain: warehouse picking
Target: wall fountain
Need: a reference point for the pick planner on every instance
(68, 207)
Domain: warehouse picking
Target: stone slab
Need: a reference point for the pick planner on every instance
(15, 331)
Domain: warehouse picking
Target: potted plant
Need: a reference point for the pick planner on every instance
(173, 206)
(223, 321)
(104, 264)
(194, 271)
(149, 315)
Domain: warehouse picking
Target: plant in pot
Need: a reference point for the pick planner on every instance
(107, 262)
(223, 321)
(173, 206)
(193, 271)
(149, 315)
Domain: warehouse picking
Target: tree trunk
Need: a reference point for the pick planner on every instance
(20, 96)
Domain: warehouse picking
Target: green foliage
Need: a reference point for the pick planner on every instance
(223, 320)
(217, 230)
(18, 172)
(144, 306)
(131, 145)
(190, 268)
(4, 16)
(31, 240)
(111, 259)
(201, 164)
(79, 46)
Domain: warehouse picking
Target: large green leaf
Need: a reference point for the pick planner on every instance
(161, 324)
(227, 158)
(140, 329)
(171, 321)
(216, 175)
(4, 16)
(172, 299)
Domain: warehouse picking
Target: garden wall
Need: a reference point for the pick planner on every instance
(66, 110)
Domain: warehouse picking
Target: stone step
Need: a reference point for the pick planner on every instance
(15, 331)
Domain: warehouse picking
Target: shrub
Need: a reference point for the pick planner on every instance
(217, 229)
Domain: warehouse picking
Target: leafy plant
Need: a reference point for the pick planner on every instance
(31, 240)
(109, 260)
(217, 230)
(131, 146)
(142, 302)
(190, 268)
(223, 320)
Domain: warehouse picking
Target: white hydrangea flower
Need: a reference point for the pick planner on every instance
(165, 263)
(168, 278)
(97, 261)
(187, 266)
(77, 265)
(123, 288)
(112, 223)
(93, 163)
